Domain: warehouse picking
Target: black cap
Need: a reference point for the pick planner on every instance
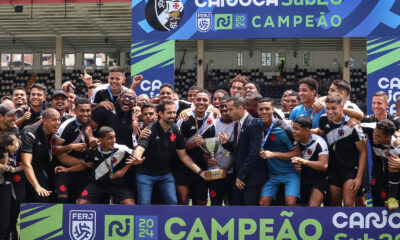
(57, 93)
(7, 109)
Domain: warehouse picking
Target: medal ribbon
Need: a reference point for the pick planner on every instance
(111, 165)
(268, 133)
(202, 125)
(340, 130)
(306, 114)
(82, 134)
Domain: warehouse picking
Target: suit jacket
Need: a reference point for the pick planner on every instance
(249, 167)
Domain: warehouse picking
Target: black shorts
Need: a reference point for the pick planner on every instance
(221, 188)
(198, 187)
(379, 189)
(338, 178)
(18, 182)
(307, 184)
(96, 194)
(70, 184)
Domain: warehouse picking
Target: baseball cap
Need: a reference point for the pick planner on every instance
(57, 93)
(7, 109)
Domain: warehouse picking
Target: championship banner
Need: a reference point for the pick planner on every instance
(155, 61)
(224, 19)
(383, 69)
(88, 222)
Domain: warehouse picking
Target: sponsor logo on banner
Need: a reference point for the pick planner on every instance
(118, 227)
(151, 87)
(146, 227)
(223, 21)
(240, 21)
(82, 224)
(164, 15)
(230, 21)
(391, 86)
(203, 21)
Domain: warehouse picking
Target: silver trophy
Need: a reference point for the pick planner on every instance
(210, 146)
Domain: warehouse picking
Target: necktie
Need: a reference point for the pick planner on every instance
(238, 133)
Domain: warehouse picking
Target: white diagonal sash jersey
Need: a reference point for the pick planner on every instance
(383, 151)
(100, 168)
(203, 128)
(316, 148)
(368, 125)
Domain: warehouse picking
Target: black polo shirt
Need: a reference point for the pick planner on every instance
(159, 147)
(117, 120)
(35, 116)
(35, 143)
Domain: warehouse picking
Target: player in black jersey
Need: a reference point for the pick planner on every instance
(389, 176)
(314, 162)
(108, 164)
(347, 153)
(194, 130)
(368, 123)
(37, 97)
(36, 156)
(70, 147)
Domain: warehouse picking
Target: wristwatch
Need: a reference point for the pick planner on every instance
(91, 87)
(199, 172)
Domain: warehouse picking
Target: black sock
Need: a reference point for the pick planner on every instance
(394, 183)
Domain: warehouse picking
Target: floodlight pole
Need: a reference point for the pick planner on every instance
(200, 63)
(346, 58)
(59, 55)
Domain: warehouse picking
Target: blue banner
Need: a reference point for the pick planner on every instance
(155, 61)
(87, 222)
(224, 19)
(383, 69)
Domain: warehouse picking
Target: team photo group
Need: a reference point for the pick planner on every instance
(232, 147)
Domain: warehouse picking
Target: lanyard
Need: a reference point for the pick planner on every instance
(341, 129)
(111, 165)
(82, 134)
(197, 125)
(306, 114)
(268, 133)
(308, 144)
(111, 96)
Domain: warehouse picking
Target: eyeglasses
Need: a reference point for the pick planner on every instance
(128, 96)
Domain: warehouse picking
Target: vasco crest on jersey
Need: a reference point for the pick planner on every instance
(164, 15)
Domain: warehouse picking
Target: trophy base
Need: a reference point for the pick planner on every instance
(214, 174)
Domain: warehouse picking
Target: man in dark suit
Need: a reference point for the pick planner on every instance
(250, 170)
